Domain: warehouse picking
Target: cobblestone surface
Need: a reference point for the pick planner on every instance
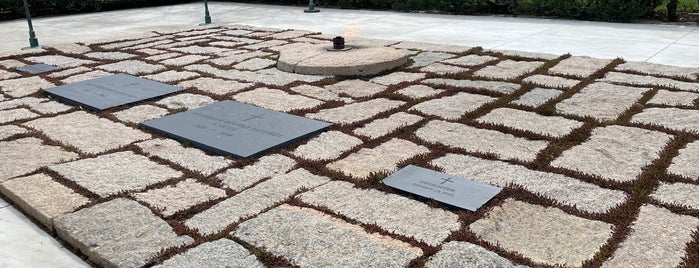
(566, 195)
(393, 213)
(453, 107)
(505, 146)
(609, 101)
(293, 232)
(562, 239)
(615, 153)
(114, 173)
(384, 157)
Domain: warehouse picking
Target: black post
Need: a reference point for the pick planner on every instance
(207, 17)
(311, 7)
(33, 41)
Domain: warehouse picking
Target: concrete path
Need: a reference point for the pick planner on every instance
(577, 162)
(658, 43)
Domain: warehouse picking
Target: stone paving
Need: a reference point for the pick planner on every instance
(597, 158)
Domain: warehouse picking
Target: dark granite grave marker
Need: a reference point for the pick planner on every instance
(37, 68)
(110, 91)
(452, 190)
(234, 128)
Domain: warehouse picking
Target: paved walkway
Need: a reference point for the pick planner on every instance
(666, 44)
(583, 170)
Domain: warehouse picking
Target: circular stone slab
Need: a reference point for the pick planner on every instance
(362, 61)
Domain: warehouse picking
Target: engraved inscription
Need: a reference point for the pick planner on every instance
(436, 188)
(234, 126)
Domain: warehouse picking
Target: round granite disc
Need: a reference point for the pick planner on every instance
(361, 61)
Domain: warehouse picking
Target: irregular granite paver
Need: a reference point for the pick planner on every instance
(602, 101)
(28, 154)
(467, 255)
(114, 173)
(672, 118)
(253, 201)
(429, 57)
(646, 80)
(68, 72)
(470, 60)
(30, 194)
(356, 88)
(419, 91)
(658, 69)
(309, 238)
(109, 55)
(20, 87)
(16, 114)
(200, 50)
(60, 61)
(265, 167)
(276, 99)
(319, 93)
(679, 194)
(508, 69)
(453, 107)
(384, 157)
(505, 146)
(189, 158)
(172, 76)
(51, 107)
(88, 133)
(327, 146)
(255, 64)
(7, 131)
(579, 66)
(140, 113)
(183, 195)
(544, 234)
(566, 190)
(355, 112)
(536, 97)
(219, 253)
(674, 98)
(7, 75)
(85, 76)
(442, 69)
(658, 238)
(118, 233)
(134, 67)
(685, 164)
(397, 78)
(184, 60)
(553, 126)
(392, 213)
(186, 100)
(384, 126)
(215, 86)
(495, 86)
(615, 152)
(551, 81)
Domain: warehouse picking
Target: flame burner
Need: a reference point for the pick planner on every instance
(339, 44)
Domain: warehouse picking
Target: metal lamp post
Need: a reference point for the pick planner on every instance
(207, 17)
(311, 8)
(33, 41)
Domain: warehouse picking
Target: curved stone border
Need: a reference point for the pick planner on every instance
(362, 61)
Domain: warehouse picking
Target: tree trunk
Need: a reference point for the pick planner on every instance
(672, 10)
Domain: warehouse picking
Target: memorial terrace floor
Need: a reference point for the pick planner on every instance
(596, 158)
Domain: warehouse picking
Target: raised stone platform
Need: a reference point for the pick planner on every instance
(362, 61)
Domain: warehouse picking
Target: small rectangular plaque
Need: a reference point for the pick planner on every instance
(110, 91)
(234, 128)
(37, 68)
(452, 190)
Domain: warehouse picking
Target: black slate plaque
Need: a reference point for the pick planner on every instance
(37, 68)
(110, 91)
(452, 190)
(234, 128)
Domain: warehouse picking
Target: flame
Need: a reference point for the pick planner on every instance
(350, 32)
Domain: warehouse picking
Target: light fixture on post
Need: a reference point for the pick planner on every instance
(207, 17)
(311, 8)
(33, 41)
